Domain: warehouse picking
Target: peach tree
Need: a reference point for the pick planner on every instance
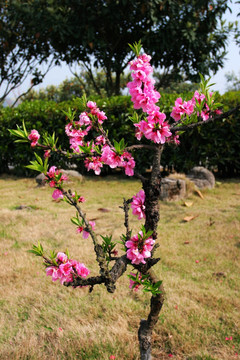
(90, 142)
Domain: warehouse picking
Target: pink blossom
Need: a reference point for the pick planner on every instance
(52, 171)
(82, 270)
(181, 108)
(94, 164)
(157, 130)
(137, 205)
(79, 229)
(54, 272)
(139, 249)
(112, 357)
(84, 119)
(128, 163)
(141, 128)
(57, 194)
(65, 269)
(91, 105)
(62, 257)
(198, 97)
(144, 96)
(205, 115)
(100, 140)
(101, 116)
(47, 154)
(85, 234)
(110, 158)
(34, 137)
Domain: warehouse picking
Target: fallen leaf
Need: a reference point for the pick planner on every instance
(188, 203)
(219, 274)
(189, 218)
(103, 210)
(186, 242)
(199, 194)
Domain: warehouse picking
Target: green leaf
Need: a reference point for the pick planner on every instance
(136, 47)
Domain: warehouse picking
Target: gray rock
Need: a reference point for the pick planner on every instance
(72, 173)
(202, 177)
(172, 189)
(41, 179)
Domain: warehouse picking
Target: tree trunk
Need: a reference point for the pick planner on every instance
(152, 190)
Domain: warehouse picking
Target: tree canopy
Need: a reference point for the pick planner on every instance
(184, 37)
(20, 53)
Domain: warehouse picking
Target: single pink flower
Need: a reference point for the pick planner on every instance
(66, 269)
(85, 234)
(84, 119)
(34, 137)
(79, 229)
(139, 250)
(82, 270)
(57, 194)
(91, 105)
(112, 357)
(54, 272)
(62, 257)
(197, 261)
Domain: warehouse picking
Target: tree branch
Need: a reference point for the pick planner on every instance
(210, 119)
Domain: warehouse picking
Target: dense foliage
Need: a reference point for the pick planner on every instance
(216, 146)
(184, 37)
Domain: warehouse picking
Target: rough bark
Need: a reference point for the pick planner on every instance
(152, 190)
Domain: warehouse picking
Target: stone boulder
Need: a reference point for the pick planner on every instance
(41, 179)
(72, 173)
(172, 189)
(202, 177)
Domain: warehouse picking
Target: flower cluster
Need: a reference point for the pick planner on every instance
(55, 179)
(183, 108)
(34, 137)
(139, 248)
(77, 131)
(145, 97)
(137, 205)
(112, 159)
(66, 269)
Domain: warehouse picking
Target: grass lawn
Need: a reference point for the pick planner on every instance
(199, 267)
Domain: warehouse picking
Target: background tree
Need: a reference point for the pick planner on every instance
(21, 53)
(76, 86)
(233, 81)
(184, 37)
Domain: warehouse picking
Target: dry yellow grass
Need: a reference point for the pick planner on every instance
(43, 320)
